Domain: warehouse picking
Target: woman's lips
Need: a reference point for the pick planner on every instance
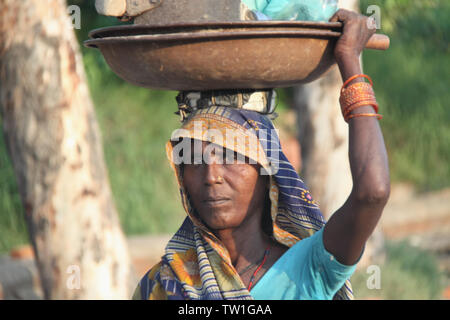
(213, 202)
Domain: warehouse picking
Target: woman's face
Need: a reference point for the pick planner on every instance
(225, 195)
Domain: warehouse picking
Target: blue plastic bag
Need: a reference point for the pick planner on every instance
(304, 10)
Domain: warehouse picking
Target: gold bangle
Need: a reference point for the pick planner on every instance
(379, 116)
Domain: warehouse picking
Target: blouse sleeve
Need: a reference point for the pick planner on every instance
(323, 269)
(307, 271)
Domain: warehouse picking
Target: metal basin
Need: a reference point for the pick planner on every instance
(221, 57)
(130, 30)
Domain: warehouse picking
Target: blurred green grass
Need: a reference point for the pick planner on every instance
(136, 124)
(12, 224)
(411, 82)
(408, 273)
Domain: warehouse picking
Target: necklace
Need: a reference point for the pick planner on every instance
(251, 266)
(266, 253)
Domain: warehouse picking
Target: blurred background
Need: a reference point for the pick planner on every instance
(412, 82)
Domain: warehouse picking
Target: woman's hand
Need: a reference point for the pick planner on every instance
(355, 34)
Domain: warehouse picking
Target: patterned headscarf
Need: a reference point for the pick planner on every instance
(196, 265)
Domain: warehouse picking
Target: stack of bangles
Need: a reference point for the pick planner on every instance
(358, 95)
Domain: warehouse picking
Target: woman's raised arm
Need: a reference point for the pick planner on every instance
(349, 227)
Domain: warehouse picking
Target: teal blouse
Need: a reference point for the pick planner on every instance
(307, 271)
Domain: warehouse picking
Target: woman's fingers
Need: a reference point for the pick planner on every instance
(355, 33)
(343, 15)
(335, 17)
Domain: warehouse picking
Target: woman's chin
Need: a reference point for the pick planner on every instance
(221, 221)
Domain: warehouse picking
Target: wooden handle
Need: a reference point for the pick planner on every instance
(378, 42)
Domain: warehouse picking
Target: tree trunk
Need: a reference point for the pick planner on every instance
(54, 142)
(323, 136)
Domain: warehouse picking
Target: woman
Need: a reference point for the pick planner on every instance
(250, 235)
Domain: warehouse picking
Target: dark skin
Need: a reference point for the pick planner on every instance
(231, 199)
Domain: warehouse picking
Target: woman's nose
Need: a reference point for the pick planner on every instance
(213, 172)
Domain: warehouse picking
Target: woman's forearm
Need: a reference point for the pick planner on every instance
(349, 228)
(367, 152)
